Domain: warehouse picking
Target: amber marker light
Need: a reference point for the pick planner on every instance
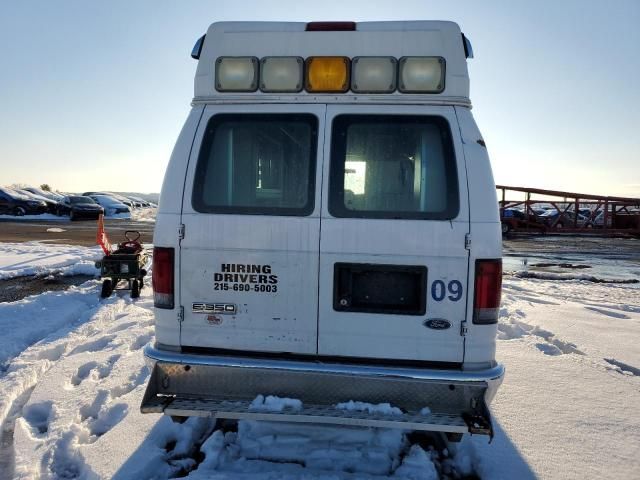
(327, 74)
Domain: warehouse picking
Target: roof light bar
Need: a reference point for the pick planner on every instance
(329, 74)
(331, 26)
(373, 74)
(236, 74)
(421, 74)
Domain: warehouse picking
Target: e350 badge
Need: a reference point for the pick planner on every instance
(214, 310)
(222, 308)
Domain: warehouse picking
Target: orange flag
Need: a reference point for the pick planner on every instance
(101, 237)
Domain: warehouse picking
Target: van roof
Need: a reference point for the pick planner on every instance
(395, 39)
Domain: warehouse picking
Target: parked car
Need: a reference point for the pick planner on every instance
(45, 193)
(553, 218)
(52, 205)
(140, 202)
(514, 213)
(18, 204)
(622, 219)
(120, 198)
(585, 212)
(77, 207)
(110, 204)
(513, 218)
(534, 211)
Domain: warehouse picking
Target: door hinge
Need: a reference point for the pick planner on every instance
(463, 328)
(467, 241)
(181, 231)
(180, 314)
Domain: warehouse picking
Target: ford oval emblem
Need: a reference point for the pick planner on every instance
(437, 324)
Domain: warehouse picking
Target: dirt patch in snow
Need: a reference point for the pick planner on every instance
(14, 289)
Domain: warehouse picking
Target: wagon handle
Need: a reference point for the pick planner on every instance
(132, 232)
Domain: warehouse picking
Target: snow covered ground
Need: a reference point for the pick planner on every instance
(71, 388)
(37, 258)
(144, 214)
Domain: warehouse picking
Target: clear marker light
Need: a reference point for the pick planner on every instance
(281, 74)
(237, 74)
(421, 74)
(373, 74)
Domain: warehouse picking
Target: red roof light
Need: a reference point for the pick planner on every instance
(331, 26)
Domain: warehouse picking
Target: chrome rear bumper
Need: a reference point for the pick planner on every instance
(224, 386)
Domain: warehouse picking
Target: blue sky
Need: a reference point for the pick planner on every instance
(88, 89)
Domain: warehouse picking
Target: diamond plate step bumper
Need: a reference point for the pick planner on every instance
(223, 387)
(217, 408)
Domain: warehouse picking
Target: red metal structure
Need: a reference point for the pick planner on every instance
(551, 211)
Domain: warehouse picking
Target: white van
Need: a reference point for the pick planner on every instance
(328, 230)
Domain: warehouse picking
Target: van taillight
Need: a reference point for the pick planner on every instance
(488, 287)
(162, 277)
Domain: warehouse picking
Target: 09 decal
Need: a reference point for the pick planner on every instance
(452, 290)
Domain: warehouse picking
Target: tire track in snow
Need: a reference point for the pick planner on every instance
(511, 326)
(7, 453)
(623, 368)
(28, 321)
(607, 313)
(95, 369)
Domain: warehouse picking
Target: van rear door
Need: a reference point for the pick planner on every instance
(393, 262)
(249, 257)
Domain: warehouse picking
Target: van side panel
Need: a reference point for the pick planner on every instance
(165, 233)
(486, 237)
(480, 346)
(483, 201)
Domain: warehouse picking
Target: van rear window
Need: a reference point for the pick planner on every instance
(393, 166)
(257, 164)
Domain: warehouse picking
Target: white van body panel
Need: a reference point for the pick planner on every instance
(165, 233)
(280, 321)
(174, 177)
(439, 245)
(486, 237)
(482, 193)
(480, 341)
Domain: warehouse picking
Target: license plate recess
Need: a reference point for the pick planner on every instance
(376, 288)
